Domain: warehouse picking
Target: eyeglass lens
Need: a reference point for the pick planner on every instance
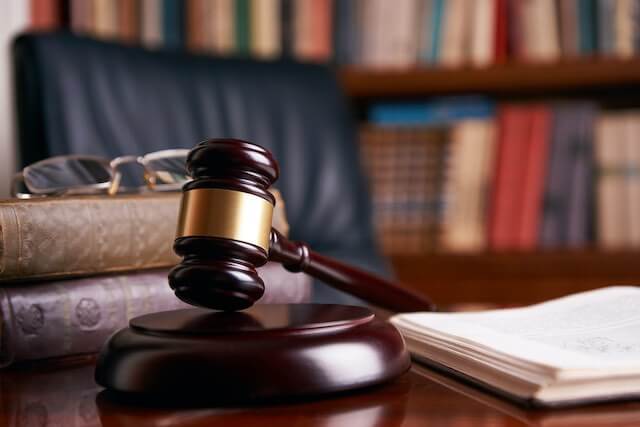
(63, 173)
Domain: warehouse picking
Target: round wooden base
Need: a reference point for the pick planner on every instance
(266, 352)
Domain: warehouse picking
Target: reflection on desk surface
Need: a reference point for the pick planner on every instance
(68, 396)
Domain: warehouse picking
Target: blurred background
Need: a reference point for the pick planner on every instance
(499, 137)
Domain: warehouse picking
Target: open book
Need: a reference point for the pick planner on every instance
(572, 350)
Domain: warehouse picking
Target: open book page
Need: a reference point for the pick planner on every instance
(593, 330)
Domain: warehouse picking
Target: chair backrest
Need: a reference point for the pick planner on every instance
(79, 95)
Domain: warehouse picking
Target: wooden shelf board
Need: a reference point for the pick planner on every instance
(515, 278)
(495, 79)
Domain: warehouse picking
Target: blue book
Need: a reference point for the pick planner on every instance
(173, 23)
(439, 111)
(587, 25)
(437, 16)
(606, 27)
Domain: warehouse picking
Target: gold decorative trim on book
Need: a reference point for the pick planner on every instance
(228, 214)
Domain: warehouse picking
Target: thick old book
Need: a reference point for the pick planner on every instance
(574, 350)
(80, 236)
(70, 317)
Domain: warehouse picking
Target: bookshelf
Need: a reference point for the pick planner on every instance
(511, 79)
(518, 277)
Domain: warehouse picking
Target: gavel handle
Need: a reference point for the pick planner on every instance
(297, 257)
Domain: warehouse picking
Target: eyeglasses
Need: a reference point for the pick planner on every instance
(163, 170)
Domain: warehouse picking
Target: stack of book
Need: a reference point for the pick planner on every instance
(364, 32)
(75, 269)
(517, 177)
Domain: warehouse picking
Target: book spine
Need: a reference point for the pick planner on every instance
(72, 236)
(534, 173)
(196, 18)
(151, 23)
(45, 14)
(587, 24)
(242, 27)
(506, 208)
(65, 318)
(173, 23)
(501, 38)
(553, 233)
(436, 24)
(581, 196)
(437, 112)
(128, 17)
(265, 28)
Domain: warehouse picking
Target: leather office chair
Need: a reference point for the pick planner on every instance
(78, 95)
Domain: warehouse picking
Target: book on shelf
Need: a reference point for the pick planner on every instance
(570, 351)
(406, 169)
(561, 174)
(372, 33)
(69, 317)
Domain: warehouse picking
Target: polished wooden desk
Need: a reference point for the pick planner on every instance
(68, 396)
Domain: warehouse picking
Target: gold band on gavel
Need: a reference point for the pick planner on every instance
(227, 214)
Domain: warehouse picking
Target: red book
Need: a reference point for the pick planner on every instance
(506, 203)
(322, 31)
(501, 40)
(534, 176)
(128, 20)
(45, 14)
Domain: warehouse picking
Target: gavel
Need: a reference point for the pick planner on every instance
(227, 355)
(225, 232)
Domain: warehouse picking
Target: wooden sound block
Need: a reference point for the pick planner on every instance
(268, 352)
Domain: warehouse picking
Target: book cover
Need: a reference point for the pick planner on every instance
(555, 219)
(242, 27)
(265, 28)
(587, 27)
(151, 30)
(467, 183)
(436, 26)
(424, 28)
(569, 29)
(625, 27)
(197, 20)
(632, 175)
(507, 199)
(287, 26)
(128, 20)
(580, 211)
(173, 23)
(303, 29)
(223, 29)
(501, 38)
(64, 318)
(439, 111)
(106, 19)
(455, 33)
(483, 31)
(611, 197)
(322, 22)
(56, 237)
(539, 31)
(45, 14)
(606, 15)
(81, 16)
(406, 169)
(535, 168)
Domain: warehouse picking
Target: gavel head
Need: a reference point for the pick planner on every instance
(224, 225)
